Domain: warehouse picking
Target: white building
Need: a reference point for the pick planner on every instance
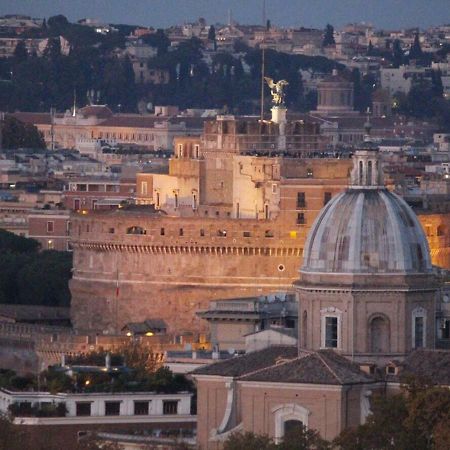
(93, 408)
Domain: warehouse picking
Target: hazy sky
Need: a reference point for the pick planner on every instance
(310, 13)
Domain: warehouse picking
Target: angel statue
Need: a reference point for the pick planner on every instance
(277, 90)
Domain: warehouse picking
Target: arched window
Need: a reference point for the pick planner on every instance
(379, 334)
(288, 418)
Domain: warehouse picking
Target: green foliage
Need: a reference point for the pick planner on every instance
(31, 277)
(248, 441)
(414, 420)
(16, 134)
(299, 438)
(328, 37)
(416, 50)
(425, 101)
(10, 242)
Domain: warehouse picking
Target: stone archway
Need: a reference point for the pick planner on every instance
(379, 334)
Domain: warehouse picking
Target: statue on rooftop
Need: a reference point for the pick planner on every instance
(277, 90)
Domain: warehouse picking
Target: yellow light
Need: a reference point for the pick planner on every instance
(87, 382)
(129, 334)
(149, 333)
(293, 234)
(84, 212)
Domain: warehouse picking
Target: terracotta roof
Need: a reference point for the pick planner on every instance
(322, 367)
(245, 364)
(286, 364)
(101, 111)
(431, 365)
(33, 117)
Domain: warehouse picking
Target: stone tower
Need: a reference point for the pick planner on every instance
(367, 287)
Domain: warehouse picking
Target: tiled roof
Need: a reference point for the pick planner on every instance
(430, 365)
(285, 364)
(244, 365)
(322, 367)
(34, 118)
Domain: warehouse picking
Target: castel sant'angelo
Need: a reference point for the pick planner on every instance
(229, 220)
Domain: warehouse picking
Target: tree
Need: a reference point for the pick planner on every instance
(397, 53)
(418, 418)
(16, 134)
(328, 38)
(20, 52)
(57, 25)
(248, 441)
(416, 50)
(159, 40)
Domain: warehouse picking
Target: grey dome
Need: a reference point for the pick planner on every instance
(366, 231)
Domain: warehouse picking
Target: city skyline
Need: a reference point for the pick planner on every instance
(164, 13)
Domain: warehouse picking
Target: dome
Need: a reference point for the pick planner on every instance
(366, 229)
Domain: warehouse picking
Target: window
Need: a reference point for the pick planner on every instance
(141, 408)
(76, 204)
(144, 188)
(176, 200)
(301, 219)
(247, 234)
(136, 230)
(301, 200)
(194, 201)
(222, 233)
(326, 197)
(331, 332)
(181, 232)
(268, 234)
(83, 408)
(157, 199)
(418, 332)
(162, 231)
(419, 327)
(202, 232)
(170, 406)
(309, 173)
(94, 203)
(111, 230)
(50, 227)
(50, 244)
(112, 408)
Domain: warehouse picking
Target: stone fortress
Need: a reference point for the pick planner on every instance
(229, 219)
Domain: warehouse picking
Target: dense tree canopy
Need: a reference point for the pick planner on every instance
(16, 134)
(30, 277)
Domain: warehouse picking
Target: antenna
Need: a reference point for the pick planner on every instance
(263, 57)
(263, 63)
(264, 13)
(74, 111)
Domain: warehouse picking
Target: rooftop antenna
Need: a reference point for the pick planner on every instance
(264, 13)
(263, 58)
(230, 18)
(74, 110)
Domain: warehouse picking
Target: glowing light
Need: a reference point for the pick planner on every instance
(87, 382)
(149, 333)
(129, 334)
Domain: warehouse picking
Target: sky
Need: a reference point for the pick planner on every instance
(390, 14)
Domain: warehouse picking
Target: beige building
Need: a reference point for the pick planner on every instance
(149, 132)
